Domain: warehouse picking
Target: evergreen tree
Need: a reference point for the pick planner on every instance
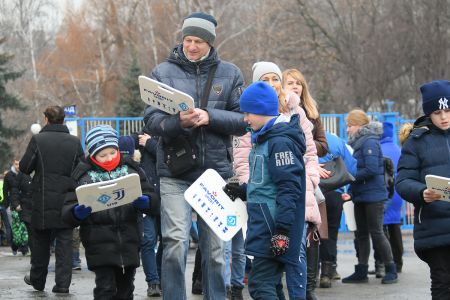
(7, 102)
(130, 103)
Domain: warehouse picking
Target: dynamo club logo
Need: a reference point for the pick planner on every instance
(231, 221)
(119, 194)
(183, 106)
(103, 198)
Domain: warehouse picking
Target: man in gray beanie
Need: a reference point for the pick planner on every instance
(207, 128)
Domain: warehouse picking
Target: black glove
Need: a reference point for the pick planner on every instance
(233, 190)
(279, 243)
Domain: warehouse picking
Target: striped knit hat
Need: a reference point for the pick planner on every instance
(101, 137)
(200, 25)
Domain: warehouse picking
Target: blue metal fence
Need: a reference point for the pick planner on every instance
(334, 123)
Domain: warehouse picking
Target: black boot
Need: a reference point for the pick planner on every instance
(326, 274)
(312, 267)
(360, 275)
(236, 292)
(391, 274)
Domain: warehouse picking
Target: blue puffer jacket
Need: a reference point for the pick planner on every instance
(393, 207)
(213, 141)
(369, 186)
(426, 151)
(276, 189)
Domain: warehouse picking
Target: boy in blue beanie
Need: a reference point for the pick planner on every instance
(275, 190)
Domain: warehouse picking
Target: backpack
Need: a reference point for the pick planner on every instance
(389, 175)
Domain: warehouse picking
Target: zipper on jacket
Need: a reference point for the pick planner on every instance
(265, 219)
(118, 235)
(420, 215)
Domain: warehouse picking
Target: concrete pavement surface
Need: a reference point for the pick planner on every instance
(413, 283)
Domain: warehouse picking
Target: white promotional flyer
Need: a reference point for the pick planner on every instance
(440, 185)
(164, 97)
(109, 194)
(224, 216)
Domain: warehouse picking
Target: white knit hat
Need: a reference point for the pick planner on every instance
(263, 67)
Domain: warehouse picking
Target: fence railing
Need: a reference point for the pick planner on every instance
(334, 123)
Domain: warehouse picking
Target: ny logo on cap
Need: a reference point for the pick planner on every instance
(443, 103)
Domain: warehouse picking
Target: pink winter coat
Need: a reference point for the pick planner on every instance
(242, 146)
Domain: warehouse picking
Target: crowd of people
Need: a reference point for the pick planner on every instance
(268, 142)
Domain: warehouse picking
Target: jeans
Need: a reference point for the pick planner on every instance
(148, 245)
(369, 221)
(328, 247)
(5, 219)
(394, 235)
(76, 261)
(176, 222)
(235, 275)
(263, 278)
(438, 259)
(296, 275)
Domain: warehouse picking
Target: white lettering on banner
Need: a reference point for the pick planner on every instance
(443, 103)
(284, 158)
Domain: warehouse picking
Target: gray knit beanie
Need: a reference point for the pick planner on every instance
(200, 25)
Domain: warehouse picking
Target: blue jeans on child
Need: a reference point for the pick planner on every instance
(234, 249)
(176, 222)
(148, 245)
(296, 275)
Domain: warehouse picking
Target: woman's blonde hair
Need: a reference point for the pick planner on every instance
(282, 105)
(307, 101)
(404, 132)
(357, 117)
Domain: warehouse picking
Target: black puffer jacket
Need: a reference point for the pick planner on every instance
(111, 237)
(213, 141)
(52, 154)
(22, 195)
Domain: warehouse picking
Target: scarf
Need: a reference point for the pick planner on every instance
(109, 165)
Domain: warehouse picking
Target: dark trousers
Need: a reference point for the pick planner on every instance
(114, 283)
(40, 256)
(263, 279)
(369, 222)
(30, 235)
(394, 235)
(438, 259)
(328, 247)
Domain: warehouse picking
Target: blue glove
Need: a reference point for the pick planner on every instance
(142, 202)
(81, 212)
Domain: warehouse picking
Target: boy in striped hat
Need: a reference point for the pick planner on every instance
(110, 237)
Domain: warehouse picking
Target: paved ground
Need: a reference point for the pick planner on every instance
(413, 283)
